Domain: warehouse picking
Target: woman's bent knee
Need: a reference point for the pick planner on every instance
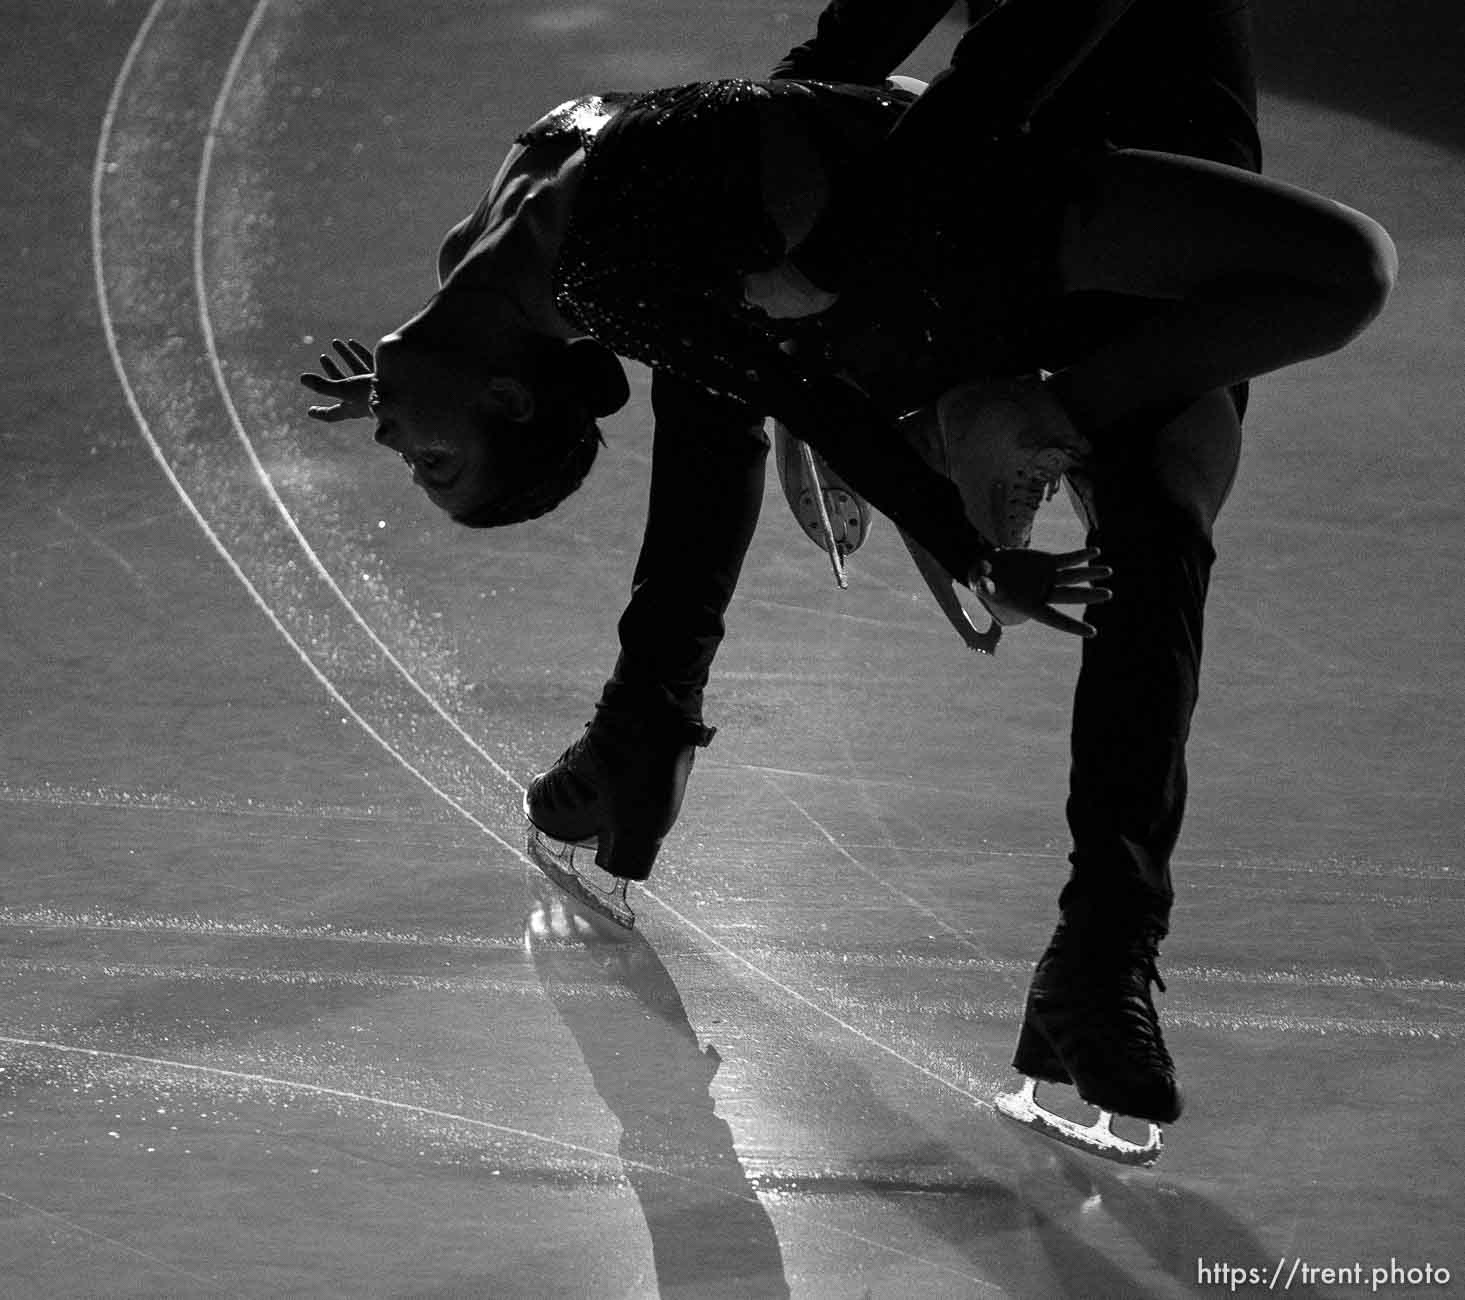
(1367, 269)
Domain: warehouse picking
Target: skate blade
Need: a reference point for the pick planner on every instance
(831, 514)
(944, 590)
(556, 859)
(1098, 1138)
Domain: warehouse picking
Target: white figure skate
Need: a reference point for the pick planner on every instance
(1098, 1138)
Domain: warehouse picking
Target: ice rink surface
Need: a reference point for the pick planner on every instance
(283, 1009)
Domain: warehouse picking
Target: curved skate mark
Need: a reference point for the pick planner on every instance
(169, 801)
(792, 993)
(1345, 868)
(830, 778)
(99, 171)
(966, 1008)
(838, 616)
(1326, 658)
(300, 977)
(302, 1088)
(1294, 978)
(909, 900)
(1323, 1026)
(71, 1225)
(206, 325)
(915, 904)
(47, 918)
(90, 537)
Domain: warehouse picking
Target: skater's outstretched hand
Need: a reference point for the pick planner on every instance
(1017, 585)
(350, 389)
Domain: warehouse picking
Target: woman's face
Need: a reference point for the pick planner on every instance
(431, 416)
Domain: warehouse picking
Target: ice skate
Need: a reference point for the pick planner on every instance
(1097, 1138)
(1090, 1021)
(833, 516)
(945, 591)
(1007, 446)
(596, 819)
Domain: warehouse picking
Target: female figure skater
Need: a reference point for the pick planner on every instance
(651, 227)
(623, 226)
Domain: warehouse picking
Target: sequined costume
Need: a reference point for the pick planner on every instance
(1138, 682)
(668, 219)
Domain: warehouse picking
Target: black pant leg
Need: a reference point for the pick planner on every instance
(1137, 689)
(708, 464)
(1156, 492)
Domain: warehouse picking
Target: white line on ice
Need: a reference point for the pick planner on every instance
(118, 365)
(49, 918)
(206, 325)
(910, 900)
(72, 1225)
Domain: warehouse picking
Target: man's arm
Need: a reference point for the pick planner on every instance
(1008, 65)
(1011, 59)
(862, 42)
(1001, 72)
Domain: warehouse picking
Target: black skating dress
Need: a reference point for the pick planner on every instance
(669, 218)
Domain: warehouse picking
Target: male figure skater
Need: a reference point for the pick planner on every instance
(1174, 76)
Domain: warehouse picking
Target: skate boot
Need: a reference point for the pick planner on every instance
(1006, 444)
(617, 790)
(1090, 1021)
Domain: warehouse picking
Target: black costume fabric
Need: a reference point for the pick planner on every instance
(669, 218)
(1170, 75)
(1174, 76)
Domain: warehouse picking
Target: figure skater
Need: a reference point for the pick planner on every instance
(1158, 75)
(651, 227)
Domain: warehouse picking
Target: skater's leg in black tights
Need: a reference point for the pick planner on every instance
(1156, 495)
(707, 473)
(1241, 274)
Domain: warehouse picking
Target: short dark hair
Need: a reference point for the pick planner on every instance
(538, 462)
(535, 470)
